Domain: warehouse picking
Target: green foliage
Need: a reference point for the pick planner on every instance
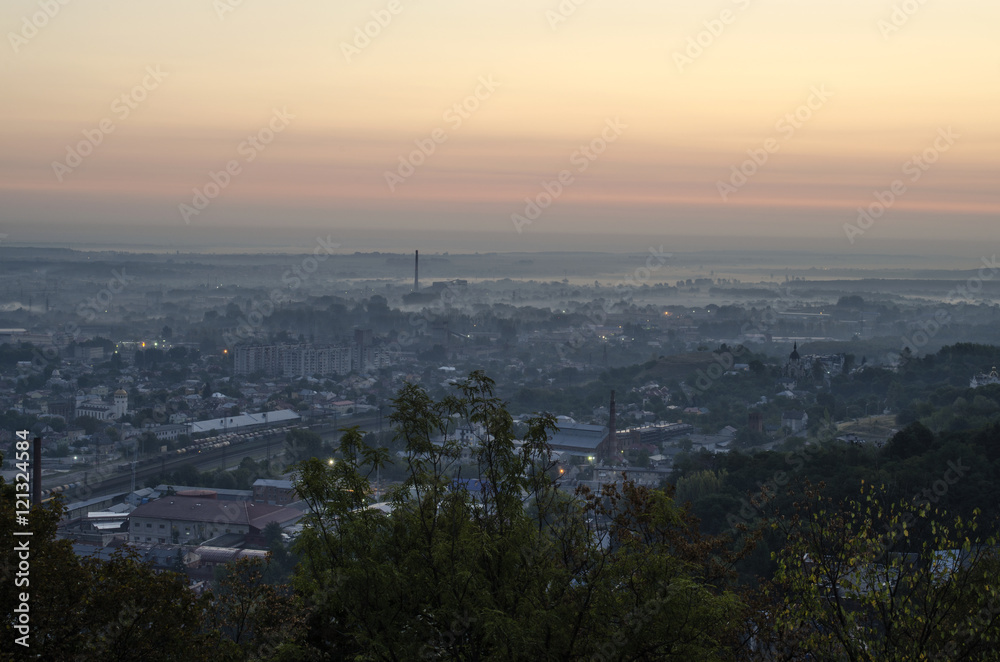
(302, 444)
(241, 478)
(252, 618)
(61, 450)
(878, 579)
(916, 439)
(516, 570)
(89, 424)
(699, 485)
(91, 609)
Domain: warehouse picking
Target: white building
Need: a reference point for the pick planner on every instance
(101, 410)
(244, 421)
(984, 379)
(794, 420)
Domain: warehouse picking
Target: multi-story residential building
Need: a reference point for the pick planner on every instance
(308, 360)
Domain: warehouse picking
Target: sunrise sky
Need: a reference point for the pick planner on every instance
(883, 85)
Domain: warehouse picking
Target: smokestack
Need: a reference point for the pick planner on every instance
(36, 473)
(416, 270)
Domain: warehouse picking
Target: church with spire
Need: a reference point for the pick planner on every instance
(796, 367)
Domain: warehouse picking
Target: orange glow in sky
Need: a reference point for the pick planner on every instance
(127, 111)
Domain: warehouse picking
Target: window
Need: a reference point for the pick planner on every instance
(163, 540)
(149, 525)
(162, 526)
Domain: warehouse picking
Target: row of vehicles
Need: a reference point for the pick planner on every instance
(229, 439)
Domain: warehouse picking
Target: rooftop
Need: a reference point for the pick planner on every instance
(243, 420)
(198, 509)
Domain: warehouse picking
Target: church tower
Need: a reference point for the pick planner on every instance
(120, 404)
(794, 368)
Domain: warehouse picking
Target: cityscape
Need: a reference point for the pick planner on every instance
(529, 331)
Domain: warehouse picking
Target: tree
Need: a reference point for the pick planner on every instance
(303, 444)
(148, 443)
(499, 564)
(252, 619)
(179, 566)
(117, 609)
(914, 439)
(642, 459)
(89, 424)
(272, 534)
(878, 579)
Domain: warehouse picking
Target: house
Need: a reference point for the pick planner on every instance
(274, 492)
(985, 379)
(794, 421)
(342, 407)
(140, 496)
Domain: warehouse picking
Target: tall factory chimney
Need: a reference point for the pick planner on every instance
(416, 271)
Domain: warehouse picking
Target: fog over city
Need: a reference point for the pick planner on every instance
(552, 329)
